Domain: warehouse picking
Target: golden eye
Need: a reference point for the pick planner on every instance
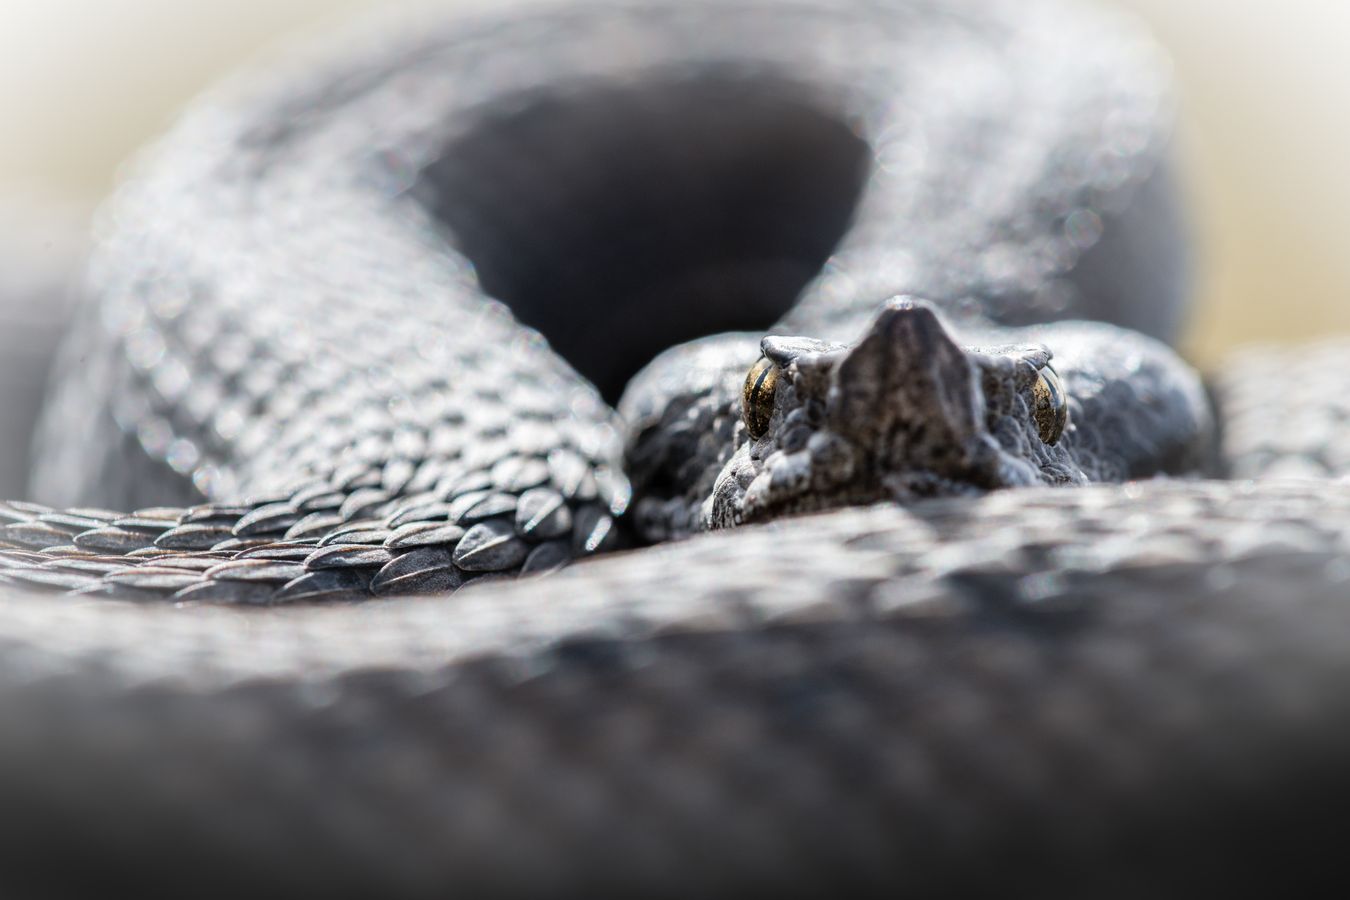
(1051, 407)
(757, 397)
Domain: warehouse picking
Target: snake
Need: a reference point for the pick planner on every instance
(673, 447)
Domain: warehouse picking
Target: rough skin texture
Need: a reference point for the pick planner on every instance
(903, 415)
(1111, 688)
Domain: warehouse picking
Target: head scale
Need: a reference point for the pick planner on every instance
(902, 414)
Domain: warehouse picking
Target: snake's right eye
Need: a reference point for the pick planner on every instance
(1051, 409)
(761, 382)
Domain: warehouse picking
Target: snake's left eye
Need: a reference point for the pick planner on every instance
(757, 397)
(1051, 409)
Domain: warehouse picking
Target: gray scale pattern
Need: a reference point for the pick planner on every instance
(302, 390)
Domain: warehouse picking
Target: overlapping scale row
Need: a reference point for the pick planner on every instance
(525, 515)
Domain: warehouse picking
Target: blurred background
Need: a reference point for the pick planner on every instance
(1265, 134)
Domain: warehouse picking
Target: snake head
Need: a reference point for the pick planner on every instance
(904, 413)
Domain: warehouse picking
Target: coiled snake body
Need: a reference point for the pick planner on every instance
(355, 329)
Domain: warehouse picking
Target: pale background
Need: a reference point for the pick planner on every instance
(1266, 133)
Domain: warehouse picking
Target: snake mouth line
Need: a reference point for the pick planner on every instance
(718, 200)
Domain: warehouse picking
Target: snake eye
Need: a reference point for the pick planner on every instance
(1051, 409)
(757, 397)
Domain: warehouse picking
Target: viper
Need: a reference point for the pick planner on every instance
(824, 347)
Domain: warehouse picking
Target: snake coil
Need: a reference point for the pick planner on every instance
(470, 298)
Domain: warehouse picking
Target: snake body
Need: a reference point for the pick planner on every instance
(355, 328)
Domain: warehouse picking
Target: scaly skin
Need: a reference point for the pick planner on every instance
(903, 415)
(1062, 689)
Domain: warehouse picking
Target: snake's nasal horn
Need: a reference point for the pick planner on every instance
(908, 388)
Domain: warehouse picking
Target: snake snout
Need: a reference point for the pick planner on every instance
(910, 397)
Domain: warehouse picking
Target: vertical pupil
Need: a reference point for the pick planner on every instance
(1051, 410)
(757, 397)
